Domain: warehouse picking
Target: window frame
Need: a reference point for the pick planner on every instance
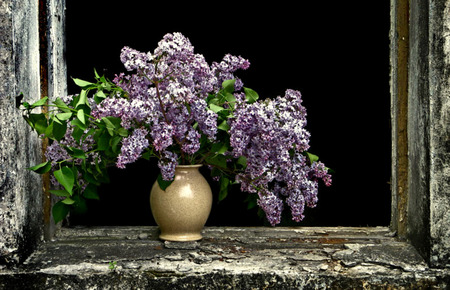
(401, 112)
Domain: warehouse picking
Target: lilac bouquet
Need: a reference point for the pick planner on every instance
(172, 105)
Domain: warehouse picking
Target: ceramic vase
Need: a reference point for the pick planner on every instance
(182, 210)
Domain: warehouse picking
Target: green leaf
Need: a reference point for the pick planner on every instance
(76, 153)
(228, 85)
(115, 121)
(42, 167)
(41, 102)
(99, 96)
(96, 74)
(219, 148)
(231, 99)
(90, 192)
(115, 144)
(49, 130)
(60, 211)
(59, 130)
(146, 155)
(103, 141)
(82, 83)
(80, 116)
(77, 133)
(38, 122)
(312, 158)
(82, 99)
(163, 184)
(215, 108)
(62, 106)
(64, 116)
(224, 183)
(224, 126)
(65, 177)
(80, 206)
(91, 178)
(217, 160)
(252, 201)
(59, 192)
(54, 119)
(109, 125)
(79, 124)
(26, 105)
(242, 161)
(122, 132)
(68, 201)
(250, 95)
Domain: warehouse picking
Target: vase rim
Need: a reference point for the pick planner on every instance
(189, 166)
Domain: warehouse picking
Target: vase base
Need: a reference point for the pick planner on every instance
(180, 237)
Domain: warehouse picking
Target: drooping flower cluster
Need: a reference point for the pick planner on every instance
(132, 147)
(271, 135)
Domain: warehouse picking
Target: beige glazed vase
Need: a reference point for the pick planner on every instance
(182, 209)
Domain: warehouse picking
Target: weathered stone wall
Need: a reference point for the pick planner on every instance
(418, 128)
(420, 91)
(32, 56)
(20, 190)
(439, 116)
(56, 84)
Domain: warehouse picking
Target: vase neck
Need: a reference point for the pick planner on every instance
(180, 169)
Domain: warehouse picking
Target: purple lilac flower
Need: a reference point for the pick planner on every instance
(191, 143)
(272, 205)
(167, 82)
(207, 119)
(161, 134)
(319, 171)
(225, 69)
(132, 147)
(111, 107)
(296, 201)
(56, 151)
(271, 134)
(133, 59)
(167, 163)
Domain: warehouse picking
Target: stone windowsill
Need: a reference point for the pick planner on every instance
(227, 257)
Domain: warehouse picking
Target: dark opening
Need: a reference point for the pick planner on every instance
(335, 53)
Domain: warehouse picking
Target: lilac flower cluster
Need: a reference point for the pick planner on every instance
(166, 94)
(56, 151)
(132, 147)
(226, 68)
(271, 135)
(164, 109)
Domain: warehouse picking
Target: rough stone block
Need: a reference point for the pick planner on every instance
(226, 258)
(20, 189)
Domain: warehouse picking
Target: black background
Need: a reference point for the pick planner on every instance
(335, 52)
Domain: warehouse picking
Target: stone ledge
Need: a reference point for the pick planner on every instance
(227, 257)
